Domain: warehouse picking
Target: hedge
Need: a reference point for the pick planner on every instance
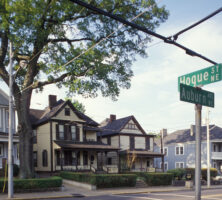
(76, 176)
(113, 180)
(189, 173)
(156, 179)
(36, 183)
(102, 180)
(178, 173)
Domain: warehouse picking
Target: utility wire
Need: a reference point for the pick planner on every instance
(175, 36)
(143, 29)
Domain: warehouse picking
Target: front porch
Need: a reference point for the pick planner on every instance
(86, 157)
(138, 160)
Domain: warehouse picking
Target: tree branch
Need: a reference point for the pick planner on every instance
(67, 40)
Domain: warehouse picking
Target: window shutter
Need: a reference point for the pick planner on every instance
(57, 132)
(66, 132)
(77, 134)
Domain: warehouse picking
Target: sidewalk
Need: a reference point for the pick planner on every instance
(71, 191)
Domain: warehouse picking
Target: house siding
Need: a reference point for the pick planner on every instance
(133, 131)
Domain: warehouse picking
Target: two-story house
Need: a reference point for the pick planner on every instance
(179, 148)
(4, 129)
(136, 146)
(66, 139)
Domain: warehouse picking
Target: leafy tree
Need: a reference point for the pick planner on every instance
(79, 106)
(46, 34)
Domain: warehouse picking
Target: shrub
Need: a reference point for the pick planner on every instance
(37, 183)
(178, 173)
(76, 176)
(156, 179)
(213, 173)
(113, 180)
(101, 180)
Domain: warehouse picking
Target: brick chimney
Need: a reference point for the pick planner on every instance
(52, 101)
(112, 118)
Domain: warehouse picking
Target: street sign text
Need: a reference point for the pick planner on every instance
(196, 95)
(202, 77)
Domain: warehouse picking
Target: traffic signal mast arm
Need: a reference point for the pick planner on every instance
(143, 29)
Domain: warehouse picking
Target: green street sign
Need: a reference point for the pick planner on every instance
(196, 95)
(202, 77)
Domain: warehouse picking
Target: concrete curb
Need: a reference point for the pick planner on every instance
(46, 197)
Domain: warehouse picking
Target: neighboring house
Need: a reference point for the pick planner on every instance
(4, 129)
(136, 146)
(66, 139)
(179, 148)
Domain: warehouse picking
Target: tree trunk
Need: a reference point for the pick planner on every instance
(25, 135)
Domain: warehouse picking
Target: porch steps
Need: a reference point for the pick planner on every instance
(140, 183)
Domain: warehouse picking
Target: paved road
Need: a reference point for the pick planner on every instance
(213, 194)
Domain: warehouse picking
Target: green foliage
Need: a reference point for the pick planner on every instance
(178, 174)
(213, 173)
(54, 32)
(37, 183)
(156, 179)
(102, 180)
(76, 176)
(79, 106)
(113, 180)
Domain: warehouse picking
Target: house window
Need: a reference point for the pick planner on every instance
(165, 166)
(131, 126)
(179, 165)
(73, 132)
(61, 132)
(1, 150)
(7, 118)
(67, 112)
(34, 132)
(132, 143)
(147, 143)
(166, 151)
(109, 161)
(44, 158)
(179, 150)
(35, 158)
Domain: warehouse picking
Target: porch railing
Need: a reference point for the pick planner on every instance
(216, 155)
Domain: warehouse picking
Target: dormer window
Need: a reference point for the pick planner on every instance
(67, 111)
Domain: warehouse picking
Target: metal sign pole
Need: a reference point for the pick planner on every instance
(10, 138)
(198, 109)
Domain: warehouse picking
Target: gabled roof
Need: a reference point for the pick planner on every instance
(117, 125)
(41, 116)
(183, 136)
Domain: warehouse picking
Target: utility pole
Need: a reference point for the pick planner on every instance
(208, 149)
(198, 109)
(10, 137)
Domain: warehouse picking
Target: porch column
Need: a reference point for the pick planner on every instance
(76, 152)
(118, 161)
(141, 163)
(89, 158)
(106, 159)
(61, 160)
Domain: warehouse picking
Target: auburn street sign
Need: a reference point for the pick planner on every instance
(196, 95)
(202, 77)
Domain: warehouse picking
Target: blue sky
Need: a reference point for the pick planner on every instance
(153, 97)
